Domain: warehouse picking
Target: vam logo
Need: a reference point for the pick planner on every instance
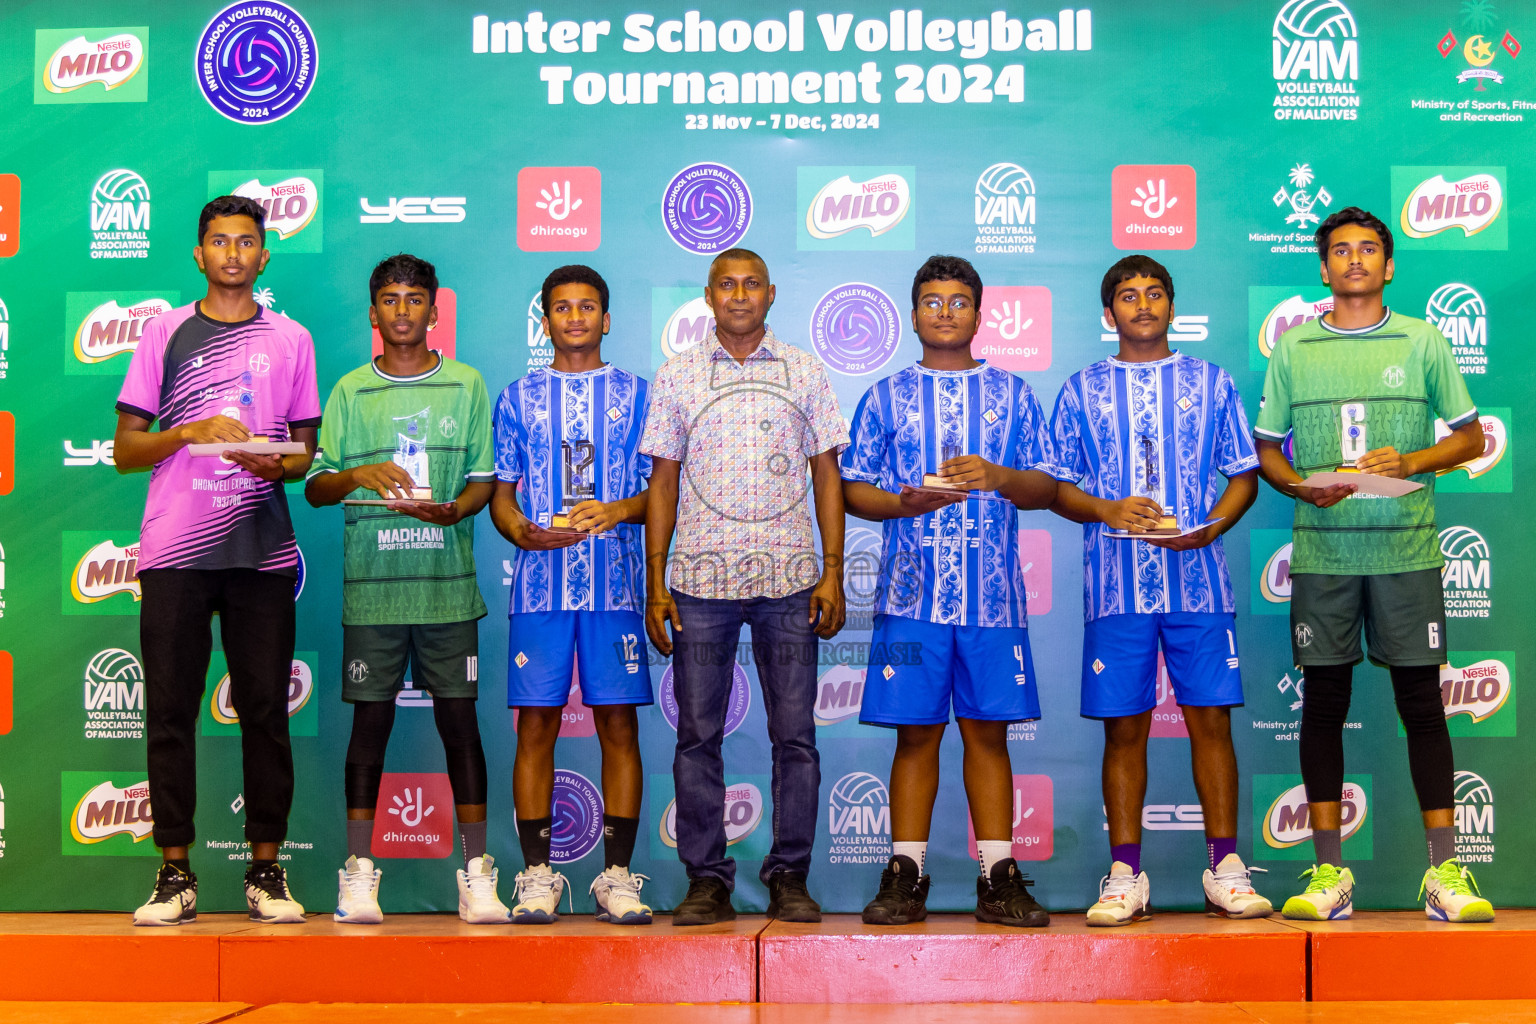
(1467, 574)
(114, 696)
(859, 820)
(77, 58)
(839, 694)
(120, 216)
(112, 329)
(541, 351)
(856, 207)
(1474, 818)
(1451, 207)
(1315, 51)
(1005, 206)
(1286, 823)
(1462, 316)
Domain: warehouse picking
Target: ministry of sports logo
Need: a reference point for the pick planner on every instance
(1315, 48)
(1477, 50)
(256, 61)
(1462, 316)
(114, 696)
(859, 820)
(1474, 819)
(1467, 574)
(706, 208)
(577, 813)
(1451, 207)
(70, 61)
(855, 328)
(856, 207)
(120, 216)
(1303, 206)
(1005, 203)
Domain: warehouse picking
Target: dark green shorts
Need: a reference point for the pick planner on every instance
(444, 659)
(1403, 613)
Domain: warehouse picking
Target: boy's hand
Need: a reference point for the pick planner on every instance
(213, 430)
(1131, 515)
(972, 472)
(595, 516)
(661, 610)
(438, 513)
(268, 467)
(920, 503)
(386, 479)
(530, 536)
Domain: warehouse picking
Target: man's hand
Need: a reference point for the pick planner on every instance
(1385, 462)
(438, 513)
(530, 536)
(972, 472)
(1323, 497)
(1130, 515)
(386, 479)
(1188, 542)
(828, 608)
(920, 503)
(660, 610)
(595, 516)
(268, 467)
(214, 430)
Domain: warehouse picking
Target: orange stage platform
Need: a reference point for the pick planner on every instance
(423, 959)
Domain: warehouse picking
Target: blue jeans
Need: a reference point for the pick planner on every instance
(785, 651)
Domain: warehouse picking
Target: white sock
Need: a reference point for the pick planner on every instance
(990, 851)
(917, 851)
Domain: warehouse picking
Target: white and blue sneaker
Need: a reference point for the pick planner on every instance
(357, 899)
(618, 897)
(478, 902)
(1329, 896)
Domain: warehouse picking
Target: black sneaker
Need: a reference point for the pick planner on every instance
(788, 899)
(903, 895)
(708, 902)
(1004, 898)
(174, 900)
(267, 896)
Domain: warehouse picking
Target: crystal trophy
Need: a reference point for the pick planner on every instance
(1153, 486)
(937, 481)
(1352, 437)
(411, 456)
(577, 482)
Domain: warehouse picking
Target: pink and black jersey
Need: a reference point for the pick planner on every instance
(205, 513)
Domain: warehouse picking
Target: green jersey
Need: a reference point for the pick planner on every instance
(400, 570)
(1343, 393)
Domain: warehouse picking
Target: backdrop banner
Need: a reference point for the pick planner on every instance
(846, 144)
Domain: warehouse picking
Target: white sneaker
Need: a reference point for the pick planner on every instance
(478, 902)
(357, 901)
(1229, 891)
(618, 897)
(174, 900)
(1329, 896)
(538, 895)
(268, 898)
(1123, 897)
(1449, 897)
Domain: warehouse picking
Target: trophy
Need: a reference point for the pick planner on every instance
(1152, 486)
(577, 482)
(1352, 439)
(411, 456)
(947, 451)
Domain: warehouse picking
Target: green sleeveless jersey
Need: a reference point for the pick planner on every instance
(1342, 393)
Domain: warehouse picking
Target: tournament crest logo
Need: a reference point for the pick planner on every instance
(256, 61)
(706, 208)
(109, 58)
(736, 708)
(855, 328)
(577, 813)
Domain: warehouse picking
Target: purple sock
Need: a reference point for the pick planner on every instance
(1219, 848)
(1127, 853)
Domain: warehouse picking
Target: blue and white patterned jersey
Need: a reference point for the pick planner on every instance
(959, 565)
(1178, 421)
(591, 423)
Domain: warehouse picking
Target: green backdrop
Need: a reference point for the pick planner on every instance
(1043, 144)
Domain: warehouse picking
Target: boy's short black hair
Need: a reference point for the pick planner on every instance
(1353, 215)
(947, 268)
(403, 268)
(233, 206)
(575, 273)
(1138, 265)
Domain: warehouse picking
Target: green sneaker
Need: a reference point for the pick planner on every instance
(1328, 897)
(1450, 894)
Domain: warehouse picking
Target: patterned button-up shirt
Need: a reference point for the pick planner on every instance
(743, 432)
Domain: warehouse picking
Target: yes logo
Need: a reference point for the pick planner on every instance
(91, 65)
(1015, 330)
(1152, 206)
(559, 209)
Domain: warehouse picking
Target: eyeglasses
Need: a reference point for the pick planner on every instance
(958, 308)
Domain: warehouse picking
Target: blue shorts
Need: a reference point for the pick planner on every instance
(917, 670)
(544, 648)
(1120, 662)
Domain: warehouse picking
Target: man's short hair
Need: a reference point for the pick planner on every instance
(233, 206)
(1138, 265)
(1352, 215)
(947, 268)
(403, 268)
(575, 273)
(737, 253)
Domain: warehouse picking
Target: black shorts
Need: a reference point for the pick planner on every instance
(1403, 613)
